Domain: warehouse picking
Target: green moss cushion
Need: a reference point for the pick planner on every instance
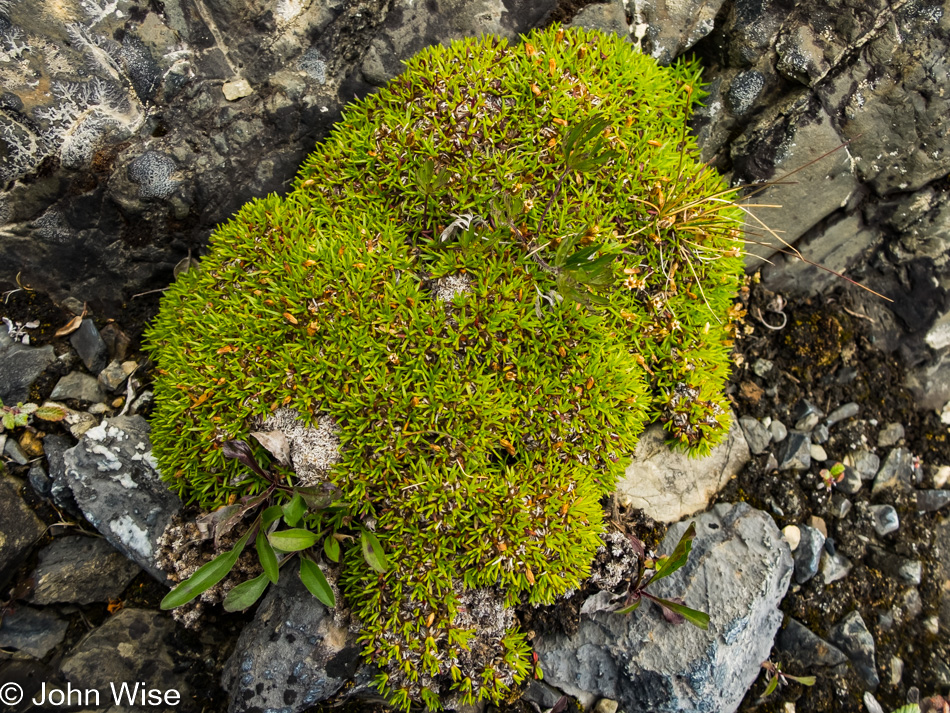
(469, 314)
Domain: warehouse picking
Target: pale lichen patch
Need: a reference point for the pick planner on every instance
(313, 449)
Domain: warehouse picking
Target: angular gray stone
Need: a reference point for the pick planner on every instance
(890, 435)
(820, 434)
(806, 415)
(134, 645)
(903, 569)
(807, 647)
(78, 386)
(897, 472)
(673, 27)
(794, 453)
(884, 519)
(32, 631)
(668, 485)
(840, 506)
(89, 345)
(646, 663)
(116, 484)
(866, 463)
(20, 528)
(778, 430)
(850, 482)
(81, 570)
(756, 434)
(20, 366)
(41, 482)
(55, 445)
(114, 376)
(609, 17)
(291, 656)
(808, 553)
(834, 567)
(12, 450)
(842, 413)
(851, 635)
(932, 500)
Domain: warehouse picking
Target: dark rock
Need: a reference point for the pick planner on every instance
(119, 490)
(542, 694)
(884, 519)
(646, 663)
(801, 643)
(756, 434)
(41, 482)
(90, 347)
(132, 646)
(808, 553)
(32, 631)
(794, 453)
(20, 366)
(942, 575)
(675, 27)
(291, 656)
(20, 528)
(55, 445)
(853, 638)
(744, 91)
(610, 17)
(116, 340)
(897, 472)
(806, 415)
(79, 387)
(81, 570)
(932, 500)
(819, 434)
(842, 413)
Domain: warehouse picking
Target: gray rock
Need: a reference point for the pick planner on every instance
(41, 482)
(675, 27)
(291, 656)
(853, 638)
(12, 450)
(840, 506)
(884, 519)
(842, 413)
(942, 575)
(806, 416)
(20, 528)
(134, 645)
(906, 570)
(609, 17)
(114, 376)
(932, 500)
(808, 553)
(81, 570)
(890, 435)
(32, 631)
(778, 431)
(646, 663)
(115, 483)
(806, 647)
(834, 567)
(794, 453)
(744, 91)
(897, 472)
(542, 694)
(55, 445)
(820, 434)
(20, 366)
(866, 463)
(850, 482)
(79, 387)
(756, 434)
(90, 346)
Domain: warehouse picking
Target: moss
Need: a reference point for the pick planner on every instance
(485, 380)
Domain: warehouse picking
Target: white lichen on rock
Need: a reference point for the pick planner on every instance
(313, 450)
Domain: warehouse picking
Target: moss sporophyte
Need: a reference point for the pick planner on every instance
(447, 337)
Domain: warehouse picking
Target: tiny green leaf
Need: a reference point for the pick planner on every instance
(265, 553)
(294, 510)
(693, 616)
(373, 551)
(770, 689)
(205, 577)
(293, 540)
(331, 548)
(313, 579)
(246, 593)
(679, 556)
(632, 608)
(807, 681)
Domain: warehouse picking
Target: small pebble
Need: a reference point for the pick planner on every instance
(236, 89)
(98, 409)
(31, 445)
(771, 463)
(834, 567)
(808, 554)
(818, 453)
(932, 624)
(848, 410)
(12, 450)
(941, 476)
(606, 705)
(897, 670)
(779, 432)
(762, 367)
(792, 536)
(808, 422)
(850, 482)
(819, 524)
(890, 435)
(820, 433)
(884, 519)
(866, 463)
(840, 506)
(117, 403)
(788, 707)
(927, 500)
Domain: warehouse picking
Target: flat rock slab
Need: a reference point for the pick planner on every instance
(19, 527)
(134, 646)
(291, 656)
(117, 487)
(20, 366)
(32, 631)
(648, 664)
(81, 570)
(668, 485)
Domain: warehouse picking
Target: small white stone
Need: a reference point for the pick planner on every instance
(897, 670)
(793, 536)
(237, 89)
(818, 453)
(932, 624)
(606, 705)
(941, 476)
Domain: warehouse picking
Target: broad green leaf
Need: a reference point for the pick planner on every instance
(679, 556)
(205, 577)
(810, 681)
(698, 618)
(294, 510)
(27, 408)
(50, 413)
(265, 553)
(909, 708)
(331, 548)
(293, 540)
(770, 689)
(319, 497)
(373, 551)
(312, 577)
(246, 593)
(270, 515)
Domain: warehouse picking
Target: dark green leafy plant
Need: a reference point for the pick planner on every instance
(482, 286)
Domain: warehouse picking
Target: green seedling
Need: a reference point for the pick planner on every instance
(18, 416)
(774, 675)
